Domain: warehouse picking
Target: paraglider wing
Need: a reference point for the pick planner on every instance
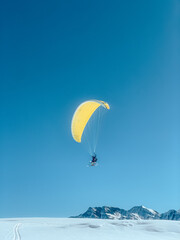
(82, 115)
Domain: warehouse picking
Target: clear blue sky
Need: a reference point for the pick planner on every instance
(56, 54)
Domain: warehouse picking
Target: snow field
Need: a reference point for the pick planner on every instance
(88, 229)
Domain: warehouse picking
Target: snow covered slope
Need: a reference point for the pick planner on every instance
(88, 229)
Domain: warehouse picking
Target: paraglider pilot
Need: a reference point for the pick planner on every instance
(94, 159)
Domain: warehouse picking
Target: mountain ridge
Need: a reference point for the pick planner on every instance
(135, 213)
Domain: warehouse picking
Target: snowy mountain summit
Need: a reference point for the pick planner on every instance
(135, 213)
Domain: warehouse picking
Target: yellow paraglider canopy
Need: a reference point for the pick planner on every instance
(82, 116)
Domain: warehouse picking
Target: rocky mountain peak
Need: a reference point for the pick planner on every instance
(137, 212)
